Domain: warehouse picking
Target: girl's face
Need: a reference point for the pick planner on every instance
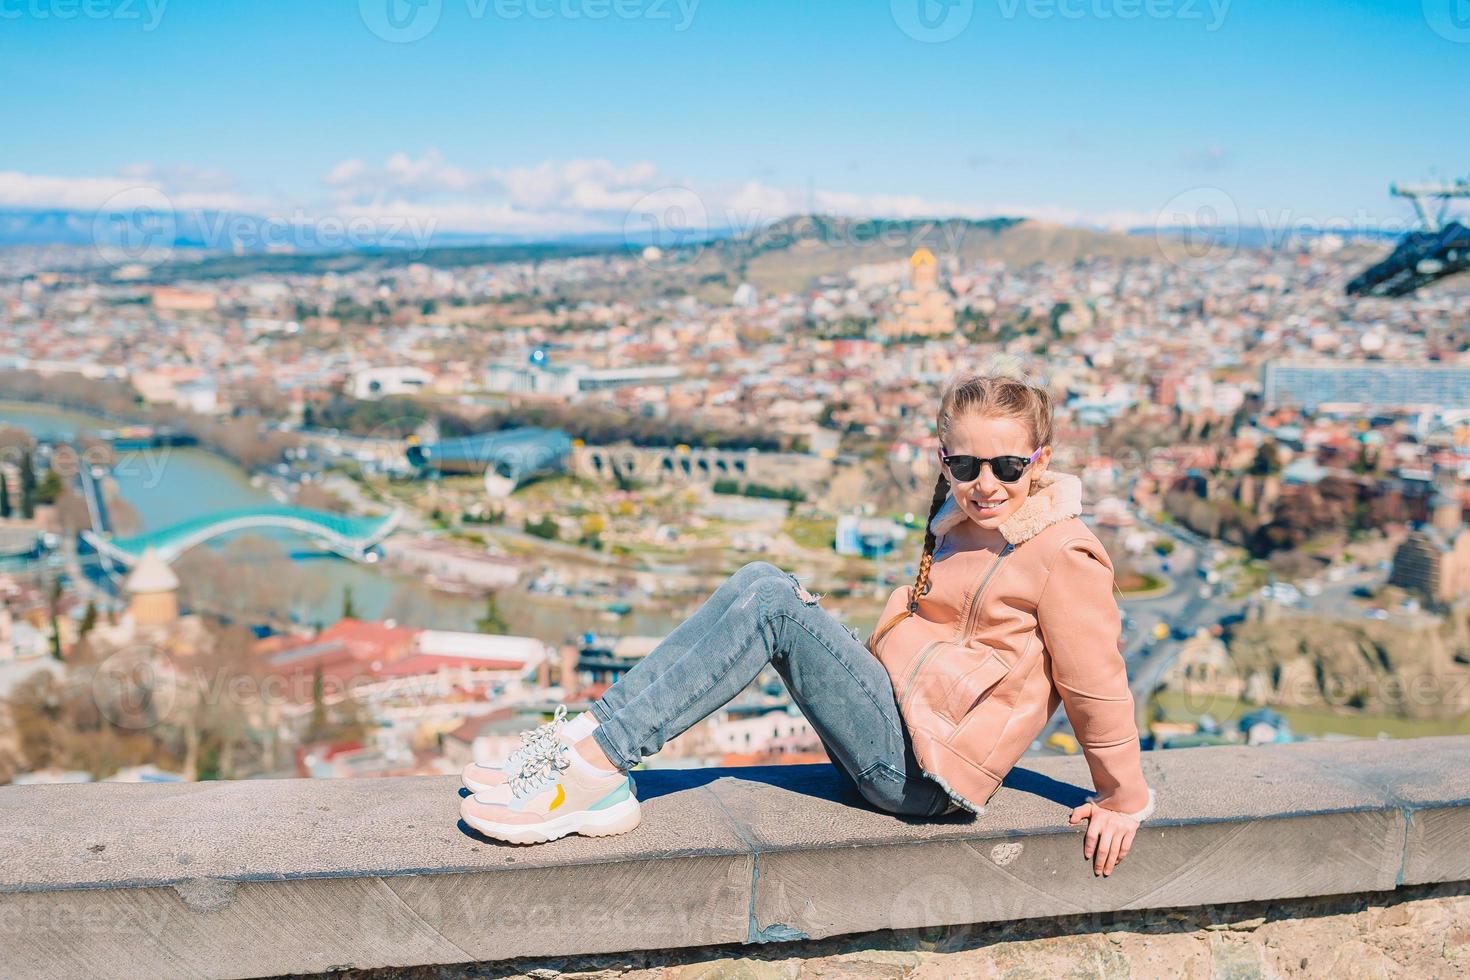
(985, 500)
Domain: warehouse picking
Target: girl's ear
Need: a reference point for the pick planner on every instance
(1039, 467)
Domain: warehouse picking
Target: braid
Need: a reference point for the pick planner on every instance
(921, 582)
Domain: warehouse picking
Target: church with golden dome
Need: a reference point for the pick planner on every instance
(925, 308)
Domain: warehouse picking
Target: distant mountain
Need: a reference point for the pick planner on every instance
(789, 254)
(1257, 236)
(179, 229)
(238, 232)
(785, 255)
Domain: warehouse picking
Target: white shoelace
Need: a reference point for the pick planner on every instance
(535, 741)
(539, 769)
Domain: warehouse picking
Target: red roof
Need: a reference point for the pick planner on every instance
(361, 634)
(430, 663)
(342, 650)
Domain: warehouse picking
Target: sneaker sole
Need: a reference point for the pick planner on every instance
(616, 819)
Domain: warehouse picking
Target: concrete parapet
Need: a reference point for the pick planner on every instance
(267, 877)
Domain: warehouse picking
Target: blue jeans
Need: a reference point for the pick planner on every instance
(761, 616)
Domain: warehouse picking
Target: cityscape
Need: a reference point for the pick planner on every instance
(407, 509)
(691, 490)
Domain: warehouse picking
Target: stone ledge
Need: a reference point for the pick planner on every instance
(269, 877)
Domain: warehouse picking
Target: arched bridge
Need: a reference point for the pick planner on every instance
(351, 537)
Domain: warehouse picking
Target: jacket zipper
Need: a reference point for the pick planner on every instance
(974, 611)
(933, 645)
(924, 653)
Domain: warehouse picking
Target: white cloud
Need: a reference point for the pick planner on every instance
(20, 190)
(547, 198)
(184, 187)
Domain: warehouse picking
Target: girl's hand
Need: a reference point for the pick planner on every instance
(1109, 836)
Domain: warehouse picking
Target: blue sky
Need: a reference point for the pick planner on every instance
(549, 115)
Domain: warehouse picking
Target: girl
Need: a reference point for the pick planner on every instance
(1011, 613)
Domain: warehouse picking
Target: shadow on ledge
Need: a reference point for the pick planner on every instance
(829, 783)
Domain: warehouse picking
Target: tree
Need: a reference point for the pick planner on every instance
(50, 488)
(89, 619)
(55, 622)
(1267, 461)
(27, 486)
(544, 528)
(492, 621)
(5, 509)
(318, 725)
(349, 608)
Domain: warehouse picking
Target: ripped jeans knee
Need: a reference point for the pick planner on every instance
(812, 598)
(806, 597)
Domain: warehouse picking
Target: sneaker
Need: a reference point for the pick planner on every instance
(552, 795)
(484, 777)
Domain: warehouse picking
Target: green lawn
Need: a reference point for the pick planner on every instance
(1307, 721)
(819, 535)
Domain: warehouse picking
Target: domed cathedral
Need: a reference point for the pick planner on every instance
(925, 308)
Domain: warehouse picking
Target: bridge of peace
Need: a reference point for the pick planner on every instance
(351, 537)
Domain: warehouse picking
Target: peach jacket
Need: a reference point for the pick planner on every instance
(1001, 637)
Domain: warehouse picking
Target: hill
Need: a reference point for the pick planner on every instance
(789, 254)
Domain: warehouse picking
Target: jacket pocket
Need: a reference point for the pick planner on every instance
(951, 678)
(974, 686)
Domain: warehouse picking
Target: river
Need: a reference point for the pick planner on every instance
(174, 484)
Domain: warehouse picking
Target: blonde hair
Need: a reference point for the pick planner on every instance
(1004, 390)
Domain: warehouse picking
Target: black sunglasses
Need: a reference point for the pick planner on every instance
(1007, 469)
